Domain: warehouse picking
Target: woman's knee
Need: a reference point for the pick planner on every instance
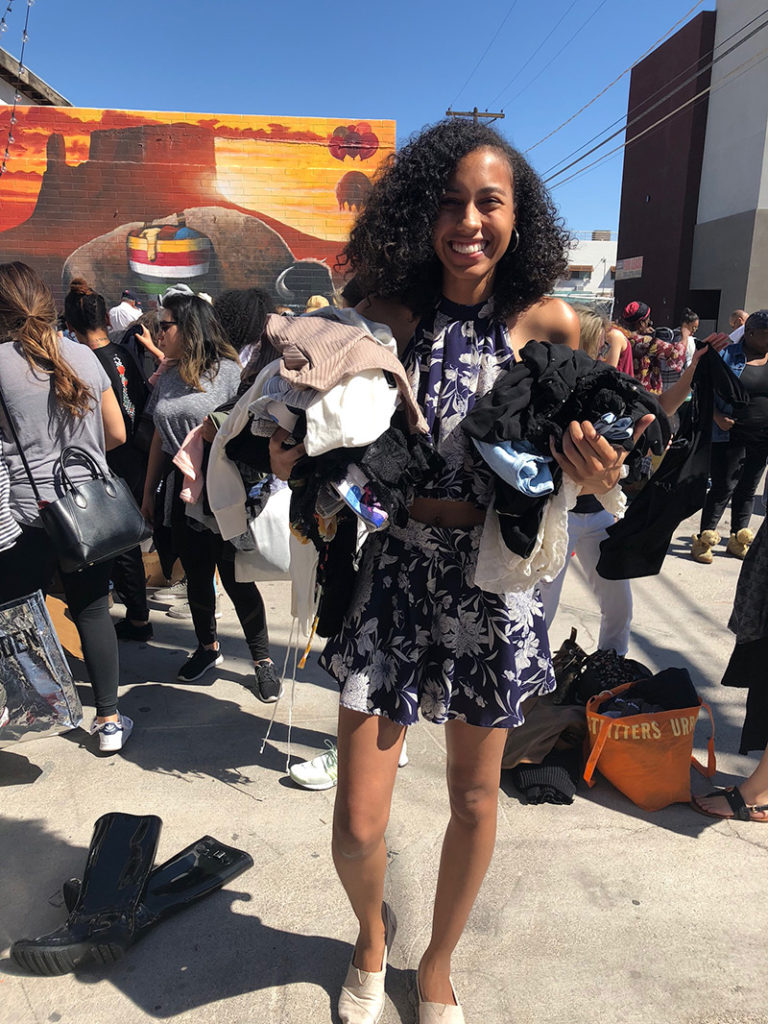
(357, 833)
(473, 803)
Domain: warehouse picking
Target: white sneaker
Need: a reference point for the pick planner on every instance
(319, 773)
(182, 611)
(113, 735)
(322, 771)
(176, 592)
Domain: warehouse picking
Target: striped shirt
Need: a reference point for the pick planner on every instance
(9, 528)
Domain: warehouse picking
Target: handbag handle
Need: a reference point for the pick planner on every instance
(20, 450)
(711, 768)
(72, 452)
(596, 751)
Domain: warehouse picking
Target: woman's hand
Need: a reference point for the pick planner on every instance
(723, 421)
(210, 430)
(591, 461)
(145, 338)
(282, 460)
(717, 341)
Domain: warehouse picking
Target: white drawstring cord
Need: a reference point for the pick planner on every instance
(294, 624)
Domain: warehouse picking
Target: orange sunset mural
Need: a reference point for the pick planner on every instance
(143, 199)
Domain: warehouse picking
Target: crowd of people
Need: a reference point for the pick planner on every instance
(450, 263)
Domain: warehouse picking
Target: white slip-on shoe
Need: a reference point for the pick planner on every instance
(362, 994)
(439, 1013)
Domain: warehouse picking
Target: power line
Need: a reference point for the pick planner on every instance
(643, 107)
(658, 103)
(565, 46)
(735, 73)
(485, 52)
(546, 39)
(616, 80)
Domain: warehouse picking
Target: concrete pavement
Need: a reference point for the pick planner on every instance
(596, 912)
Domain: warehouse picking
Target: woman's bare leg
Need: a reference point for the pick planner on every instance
(369, 747)
(473, 772)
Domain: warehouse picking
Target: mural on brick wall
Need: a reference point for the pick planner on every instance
(141, 200)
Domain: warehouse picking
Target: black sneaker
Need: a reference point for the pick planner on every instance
(197, 664)
(126, 630)
(267, 686)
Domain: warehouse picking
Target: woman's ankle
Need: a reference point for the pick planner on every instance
(434, 979)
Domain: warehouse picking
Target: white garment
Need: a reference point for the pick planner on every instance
(121, 317)
(352, 414)
(226, 491)
(501, 571)
(585, 534)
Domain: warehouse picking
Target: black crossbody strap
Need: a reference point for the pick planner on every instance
(20, 450)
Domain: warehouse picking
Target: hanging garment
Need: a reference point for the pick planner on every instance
(636, 545)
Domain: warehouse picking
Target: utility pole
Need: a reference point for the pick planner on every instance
(476, 115)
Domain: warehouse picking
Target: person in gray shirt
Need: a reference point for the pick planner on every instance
(57, 394)
(199, 373)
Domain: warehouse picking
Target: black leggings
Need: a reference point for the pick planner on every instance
(201, 553)
(30, 565)
(735, 471)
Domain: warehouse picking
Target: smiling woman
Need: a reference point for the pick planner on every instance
(455, 249)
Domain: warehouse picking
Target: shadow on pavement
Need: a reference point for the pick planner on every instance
(206, 954)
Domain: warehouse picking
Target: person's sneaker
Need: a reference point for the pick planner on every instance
(198, 664)
(112, 735)
(126, 630)
(269, 685)
(319, 773)
(322, 771)
(183, 611)
(176, 592)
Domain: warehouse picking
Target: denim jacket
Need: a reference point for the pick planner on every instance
(735, 358)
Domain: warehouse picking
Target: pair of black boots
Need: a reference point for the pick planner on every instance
(121, 897)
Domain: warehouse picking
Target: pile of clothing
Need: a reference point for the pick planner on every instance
(535, 400)
(339, 389)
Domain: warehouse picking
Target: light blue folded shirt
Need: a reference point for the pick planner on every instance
(518, 464)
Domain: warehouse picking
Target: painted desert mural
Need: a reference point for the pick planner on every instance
(141, 200)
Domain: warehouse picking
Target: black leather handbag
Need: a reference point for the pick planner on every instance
(91, 522)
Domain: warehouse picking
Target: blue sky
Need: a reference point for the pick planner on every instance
(540, 62)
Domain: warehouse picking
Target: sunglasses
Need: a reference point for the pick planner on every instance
(163, 325)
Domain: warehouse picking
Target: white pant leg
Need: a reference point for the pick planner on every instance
(614, 596)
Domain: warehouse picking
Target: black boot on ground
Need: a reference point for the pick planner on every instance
(102, 921)
(195, 872)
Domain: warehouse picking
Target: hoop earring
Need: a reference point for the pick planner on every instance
(514, 248)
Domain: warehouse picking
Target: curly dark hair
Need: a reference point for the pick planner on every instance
(390, 247)
(242, 313)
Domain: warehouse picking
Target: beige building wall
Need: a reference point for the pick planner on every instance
(730, 250)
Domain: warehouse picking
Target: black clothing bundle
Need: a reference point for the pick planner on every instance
(548, 387)
(553, 781)
(637, 544)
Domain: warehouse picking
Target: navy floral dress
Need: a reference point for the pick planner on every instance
(419, 636)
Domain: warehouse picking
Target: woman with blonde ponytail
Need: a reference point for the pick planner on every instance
(56, 394)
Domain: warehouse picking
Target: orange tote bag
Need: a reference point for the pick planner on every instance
(647, 757)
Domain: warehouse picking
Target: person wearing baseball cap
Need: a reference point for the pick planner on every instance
(122, 316)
